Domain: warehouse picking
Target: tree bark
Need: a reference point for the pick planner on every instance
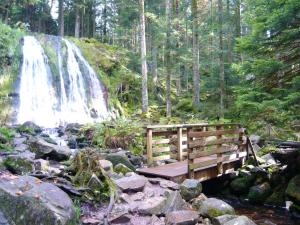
(77, 20)
(168, 59)
(196, 70)
(143, 59)
(61, 17)
(154, 64)
(221, 59)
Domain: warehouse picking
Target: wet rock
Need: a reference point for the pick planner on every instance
(50, 140)
(153, 206)
(240, 220)
(241, 185)
(277, 198)
(3, 220)
(293, 189)
(29, 128)
(73, 128)
(196, 202)
(190, 189)
(133, 183)
(44, 149)
(136, 160)
(95, 183)
(164, 183)
(21, 147)
(121, 168)
(220, 220)
(116, 158)
(259, 193)
(106, 165)
(21, 163)
(182, 217)
(213, 207)
(72, 143)
(27, 200)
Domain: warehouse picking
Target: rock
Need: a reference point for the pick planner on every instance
(255, 139)
(169, 184)
(190, 189)
(21, 163)
(94, 183)
(44, 149)
(106, 165)
(29, 128)
(146, 220)
(174, 201)
(72, 143)
(241, 185)
(153, 206)
(3, 220)
(259, 193)
(136, 160)
(21, 147)
(133, 183)
(116, 158)
(277, 198)
(213, 207)
(269, 159)
(196, 202)
(73, 128)
(240, 220)
(220, 220)
(27, 200)
(293, 189)
(50, 140)
(182, 217)
(41, 165)
(3, 139)
(121, 168)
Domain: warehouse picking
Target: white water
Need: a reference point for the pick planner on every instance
(79, 99)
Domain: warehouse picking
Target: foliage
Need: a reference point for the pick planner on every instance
(267, 149)
(7, 133)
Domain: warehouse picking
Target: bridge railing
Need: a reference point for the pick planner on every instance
(220, 140)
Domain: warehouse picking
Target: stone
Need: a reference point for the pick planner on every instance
(196, 202)
(21, 147)
(220, 220)
(293, 189)
(269, 159)
(146, 220)
(72, 143)
(29, 127)
(116, 158)
(259, 193)
(182, 217)
(106, 165)
(121, 168)
(3, 220)
(27, 200)
(164, 183)
(277, 198)
(241, 185)
(136, 160)
(240, 220)
(21, 163)
(174, 201)
(50, 140)
(41, 165)
(190, 189)
(153, 206)
(134, 183)
(255, 139)
(73, 128)
(213, 207)
(43, 149)
(95, 184)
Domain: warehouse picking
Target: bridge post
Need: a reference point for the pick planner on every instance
(179, 144)
(149, 146)
(191, 173)
(219, 155)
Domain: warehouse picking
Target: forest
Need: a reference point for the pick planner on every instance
(94, 94)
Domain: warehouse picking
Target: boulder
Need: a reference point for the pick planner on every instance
(116, 158)
(182, 217)
(277, 198)
(133, 183)
(293, 189)
(255, 139)
(259, 193)
(3, 139)
(190, 189)
(153, 206)
(29, 128)
(240, 220)
(41, 165)
(27, 200)
(220, 220)
(121, 168)
(3, 220)
(174, 201)
(269, 159)
(72, 143)
(241, 185)
(213, 207)
(21, 163)
(106, 165)
(44, 149)
(73, 128)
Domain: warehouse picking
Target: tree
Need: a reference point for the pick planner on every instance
(61, 17)
(168, 58)
(221, 59)
(77, 19)
(143, 59)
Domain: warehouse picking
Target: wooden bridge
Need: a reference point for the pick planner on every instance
(202, 151)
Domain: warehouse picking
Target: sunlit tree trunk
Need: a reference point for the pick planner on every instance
(143, 59)
(168, 58)
(77, 19)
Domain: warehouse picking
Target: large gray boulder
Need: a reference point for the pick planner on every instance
(116, 158)
(240, 220)
(212, 207)
(182, 217)
(132, 183)
(27, 200)
(21, 163)
(190, 189)
(43, 149)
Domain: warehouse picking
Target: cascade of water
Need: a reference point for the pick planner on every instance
(79, 99)
(37, 96)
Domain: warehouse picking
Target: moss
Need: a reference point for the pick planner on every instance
(277, 198)
(267, 150)
(18, 165)
(241, 185)
(293, 189)
(120, 168)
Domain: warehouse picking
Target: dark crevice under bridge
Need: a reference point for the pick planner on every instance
(203, 151)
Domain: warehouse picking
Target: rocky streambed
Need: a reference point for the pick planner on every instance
(59, 177)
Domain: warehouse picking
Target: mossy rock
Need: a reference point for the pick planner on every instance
(293, 189)
(259, 193)
(121, 168)
(19, 164)
(277, 198)
(213, 207)
(116, 158)
(241, 185)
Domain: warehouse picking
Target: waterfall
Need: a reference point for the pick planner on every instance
(76, 97)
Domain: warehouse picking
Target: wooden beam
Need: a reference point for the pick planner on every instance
(161, 157)
(191, 173)
(149, 147)
(199, 154)
(161, 149)
(161, 141)
(198, 165)
(203, 143)
(179, 144)
(214, 133)
(219, 154)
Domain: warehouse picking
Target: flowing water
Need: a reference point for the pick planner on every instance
(77, 96)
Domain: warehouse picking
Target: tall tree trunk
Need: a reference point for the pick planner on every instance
(178, 80)
(196, 70)
(238, 18)
(104, 30)
(77, 20)
(221, 59)
(168, 58)
(154, 64)
(61, 17)
(143, 59)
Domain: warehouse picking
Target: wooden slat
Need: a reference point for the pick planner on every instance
(203, 143)
(202, 164)
(161, 141)
(161, 157)
(193, 134)
(164, 133)
(161, 149)
(198, 154)
(179, 144)
(149, 147)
